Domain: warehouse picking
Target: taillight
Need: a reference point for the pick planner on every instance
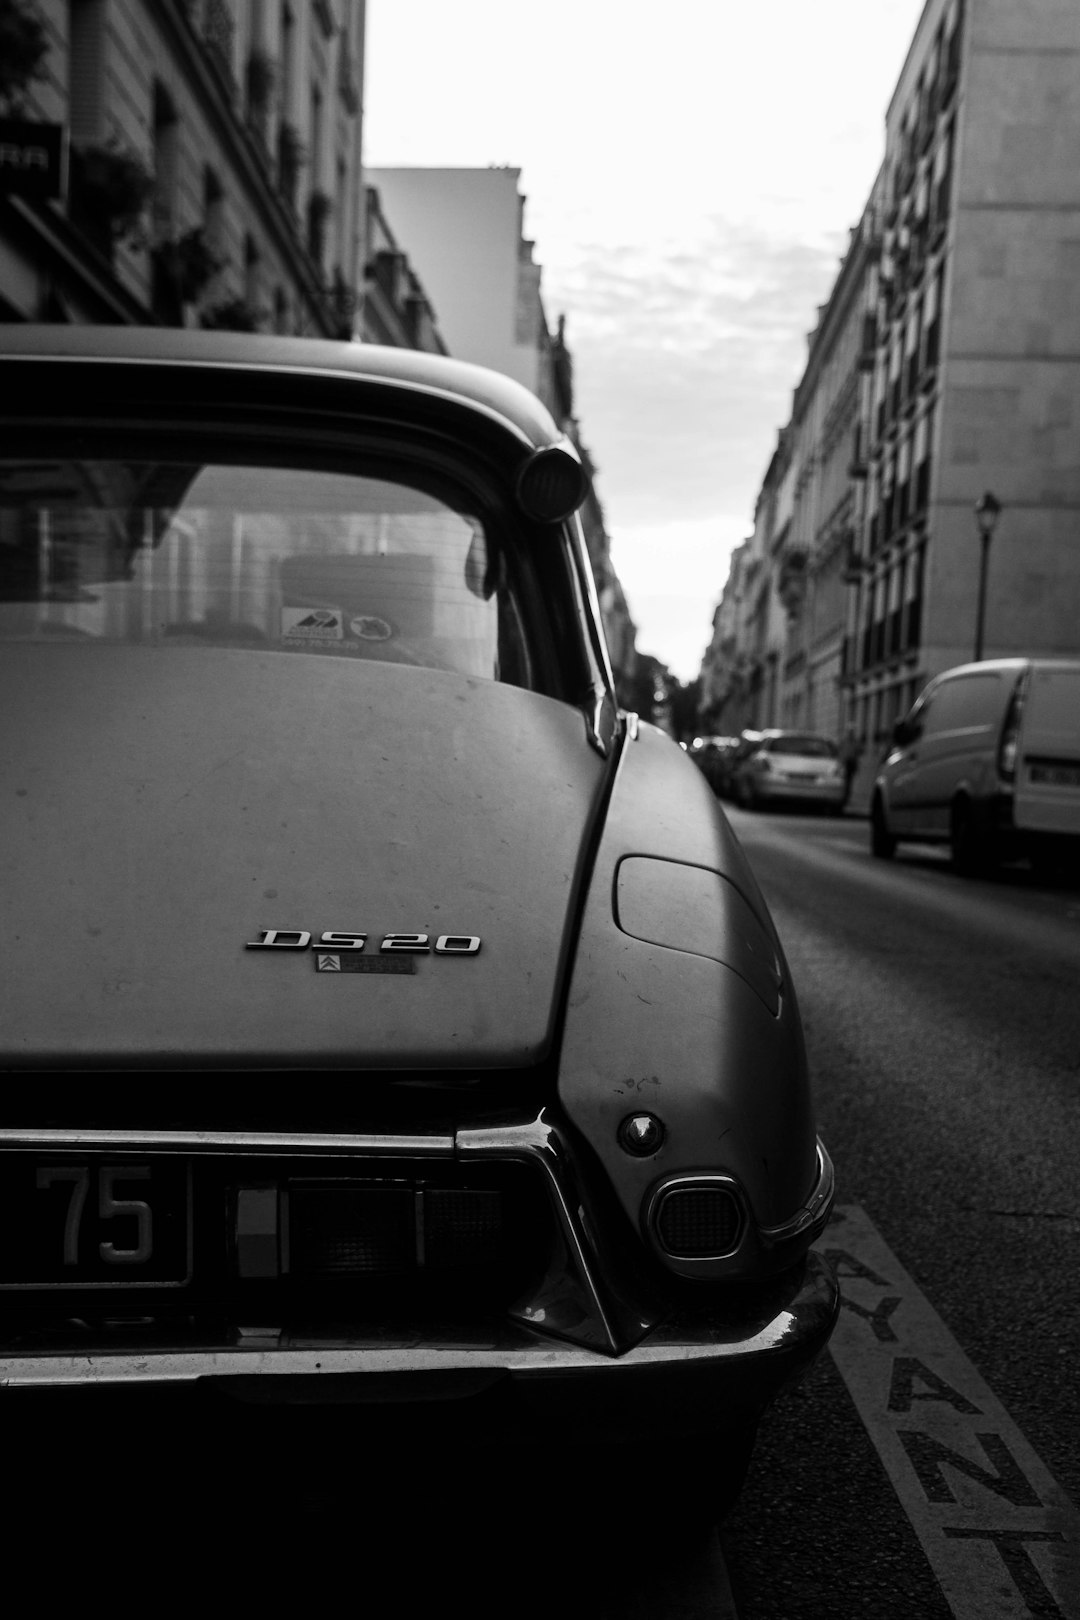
(1010, 735)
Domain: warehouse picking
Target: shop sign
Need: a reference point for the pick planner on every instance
(32, 159)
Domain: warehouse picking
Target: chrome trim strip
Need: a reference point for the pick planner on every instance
(814, 1213)
(802, 1325)
(589, 1308)
(187, 1366)
(154, 1141)
(596, 706)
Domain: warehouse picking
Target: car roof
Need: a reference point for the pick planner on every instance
(1006, 666)
(489, 392)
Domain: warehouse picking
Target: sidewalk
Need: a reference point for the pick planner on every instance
(859, 799)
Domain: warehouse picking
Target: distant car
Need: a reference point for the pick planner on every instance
(792, 768)
(389, 1023)
(987, 761)
(730, 760)
(708, 754)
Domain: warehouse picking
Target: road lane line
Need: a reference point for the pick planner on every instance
(1000, 1534)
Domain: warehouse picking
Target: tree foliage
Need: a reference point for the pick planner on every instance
(24, 46)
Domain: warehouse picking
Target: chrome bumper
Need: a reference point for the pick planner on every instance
(733, 1350)
(585, 1317)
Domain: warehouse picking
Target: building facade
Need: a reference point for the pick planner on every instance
(396, 308)
(463, 230)
(210, 164)
(945, 364)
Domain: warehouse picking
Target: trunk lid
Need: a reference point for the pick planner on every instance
(167, 806)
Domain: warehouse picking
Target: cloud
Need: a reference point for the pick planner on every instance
(689, 358)
(689, 206)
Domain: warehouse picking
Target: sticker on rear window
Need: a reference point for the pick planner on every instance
(311, 624)
(370, 628)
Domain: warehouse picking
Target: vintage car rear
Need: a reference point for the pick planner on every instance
(388, 1023)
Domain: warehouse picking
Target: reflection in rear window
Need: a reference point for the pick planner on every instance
(290, 560)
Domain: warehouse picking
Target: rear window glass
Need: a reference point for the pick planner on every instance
(806, 747)
(283, 559)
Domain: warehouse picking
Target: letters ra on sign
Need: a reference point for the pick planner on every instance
(33, 159)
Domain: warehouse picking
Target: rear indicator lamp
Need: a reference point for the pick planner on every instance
(351, 1231)
(552, 484)
(697, 1220)
(388, 1231)
(319, 1232)
(460, 1227)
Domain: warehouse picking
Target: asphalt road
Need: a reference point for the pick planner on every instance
(942, 1018)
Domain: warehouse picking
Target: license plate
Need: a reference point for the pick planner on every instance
(69, 1222)
(1056, 775)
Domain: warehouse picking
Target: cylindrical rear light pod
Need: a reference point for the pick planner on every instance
(697, 1218)
(552, 484)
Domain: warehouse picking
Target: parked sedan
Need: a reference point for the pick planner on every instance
(392, 1026)
(790, 767)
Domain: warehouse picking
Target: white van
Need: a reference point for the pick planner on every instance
(987, 761)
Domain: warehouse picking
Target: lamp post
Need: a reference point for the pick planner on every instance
(987, 512)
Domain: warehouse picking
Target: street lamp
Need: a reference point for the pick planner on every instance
(987, 512)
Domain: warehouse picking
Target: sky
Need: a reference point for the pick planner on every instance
(692, 169)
